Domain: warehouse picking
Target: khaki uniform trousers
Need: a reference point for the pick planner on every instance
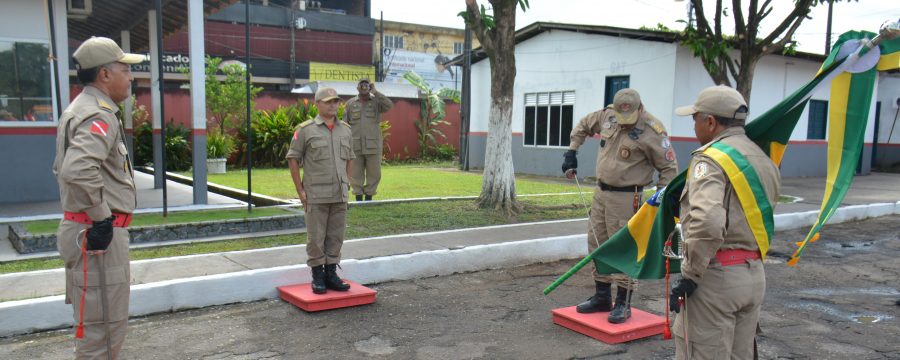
(118, 281)
(366, 170)
(722, 314)
(610, 211)
(325, 226)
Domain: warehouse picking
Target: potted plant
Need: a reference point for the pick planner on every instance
(218, 148)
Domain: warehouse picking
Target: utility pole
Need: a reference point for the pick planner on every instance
(466, 101)
(828, 29)
(381, 46)
(293, 24)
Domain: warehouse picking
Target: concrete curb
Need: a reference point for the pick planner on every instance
(46, 313)
(50, 312)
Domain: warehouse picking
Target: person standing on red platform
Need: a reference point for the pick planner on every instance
(322, 148)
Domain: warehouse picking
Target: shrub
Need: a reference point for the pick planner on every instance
(178, 147)
(219, 146)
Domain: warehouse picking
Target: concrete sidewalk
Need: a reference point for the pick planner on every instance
(200, 280)
(876, 188)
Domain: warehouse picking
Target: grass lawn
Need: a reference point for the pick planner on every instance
(180, 217)
(397, 182)
(368, 221)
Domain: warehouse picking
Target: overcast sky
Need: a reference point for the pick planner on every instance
(862, 15)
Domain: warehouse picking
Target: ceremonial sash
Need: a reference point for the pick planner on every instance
(750, 192)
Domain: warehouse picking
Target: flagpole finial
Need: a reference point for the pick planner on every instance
(890, 30)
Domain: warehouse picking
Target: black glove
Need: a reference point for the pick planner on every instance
(570, 162)
(100, 234)
(684, 287)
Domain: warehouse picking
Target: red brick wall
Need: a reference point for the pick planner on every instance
(226, 39)
(402, 141)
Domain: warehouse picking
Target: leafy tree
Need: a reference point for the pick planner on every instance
(226, 99)
(715, 48)
(496, 33)
(432, 112)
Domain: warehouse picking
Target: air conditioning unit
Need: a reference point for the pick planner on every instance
(79, 9)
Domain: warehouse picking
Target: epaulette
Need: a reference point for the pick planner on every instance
(105, 106)
(610, 106)
(345, 123)
(656, 125)
(306, 123)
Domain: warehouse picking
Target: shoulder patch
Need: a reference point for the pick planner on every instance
(701, 169)
(99, 127)
(306, 123)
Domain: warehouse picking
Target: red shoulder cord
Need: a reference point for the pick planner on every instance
(667, 332)
(79, 330)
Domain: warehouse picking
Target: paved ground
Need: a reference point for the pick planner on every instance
(839, 303)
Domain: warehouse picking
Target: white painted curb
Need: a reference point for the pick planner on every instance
(50, 312)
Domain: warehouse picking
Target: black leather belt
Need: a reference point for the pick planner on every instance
(632, 188)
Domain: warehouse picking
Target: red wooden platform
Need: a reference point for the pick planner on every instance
(641, 324)
(301, 295)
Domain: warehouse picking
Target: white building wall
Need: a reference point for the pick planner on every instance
(889, 95)
(667, 76)
(775, 78)
(23, 20)
(564, 60)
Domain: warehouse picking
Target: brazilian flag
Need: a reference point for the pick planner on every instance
(850, 70)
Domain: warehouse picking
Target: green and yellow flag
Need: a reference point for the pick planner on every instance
(851, 98)
(850, 70)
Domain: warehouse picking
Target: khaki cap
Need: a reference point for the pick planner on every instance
(626, 104)
(718, 100)
(326, 94)
(98, 51)
(364, 80)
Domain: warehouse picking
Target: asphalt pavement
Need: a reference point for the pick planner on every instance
(838, 303)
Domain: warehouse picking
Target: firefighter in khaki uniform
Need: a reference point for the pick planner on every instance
(322, 148)
(633, 146)
(723, 281)
(96, 187)
(363, 113)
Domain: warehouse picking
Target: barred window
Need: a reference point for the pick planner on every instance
(393, 41)
(548, 118)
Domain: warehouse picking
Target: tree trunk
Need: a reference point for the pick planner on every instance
(498, 187)
(744, 81)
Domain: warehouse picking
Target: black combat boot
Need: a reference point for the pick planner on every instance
(600, 302)
(359, 198)
(318, 279)
(368, 197)
(622, 310)
(332, 281)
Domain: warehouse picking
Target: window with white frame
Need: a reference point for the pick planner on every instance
(458, 48)
(393, 41)
(25, 85)
(548, 118)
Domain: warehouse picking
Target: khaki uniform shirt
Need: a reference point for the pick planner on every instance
(628, 157)
(711, 214)
(92, 164)
(364, 118)
(323, 154)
